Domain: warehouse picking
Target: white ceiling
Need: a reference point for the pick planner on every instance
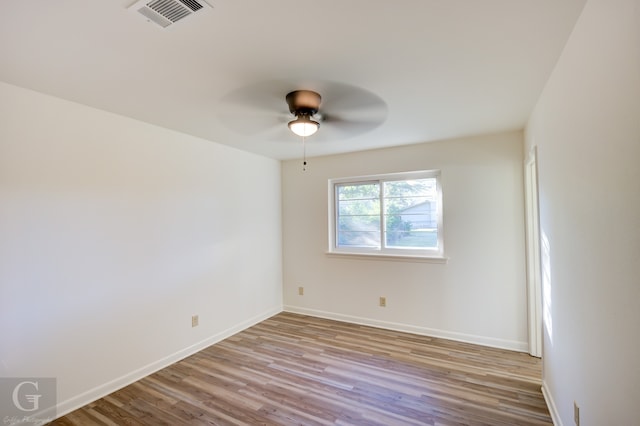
(442, 68)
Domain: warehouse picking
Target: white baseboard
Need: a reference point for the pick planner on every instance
(424, 331)
(553, 409)
(98, 392)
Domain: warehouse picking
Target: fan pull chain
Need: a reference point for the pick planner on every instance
(304, 154)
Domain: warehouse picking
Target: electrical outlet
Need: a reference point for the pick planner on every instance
(383, 301)
(301, 291)
(194, 321)
(576, 413)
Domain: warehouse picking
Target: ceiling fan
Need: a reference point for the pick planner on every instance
(304, 104)
(271, 110)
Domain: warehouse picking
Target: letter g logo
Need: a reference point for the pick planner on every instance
(33, 398)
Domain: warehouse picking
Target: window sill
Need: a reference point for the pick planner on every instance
(387, 256)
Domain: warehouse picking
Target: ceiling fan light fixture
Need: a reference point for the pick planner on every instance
(303, 125)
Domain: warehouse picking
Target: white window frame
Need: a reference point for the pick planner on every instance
(431, 254)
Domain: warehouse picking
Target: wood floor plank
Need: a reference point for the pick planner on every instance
(298, 370)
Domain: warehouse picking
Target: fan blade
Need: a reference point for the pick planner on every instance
(349, 111)
(251, 121)
(342, 99)
(335, 129)
(255, 109)
(266, 96)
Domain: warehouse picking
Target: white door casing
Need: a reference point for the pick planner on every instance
(534, 287)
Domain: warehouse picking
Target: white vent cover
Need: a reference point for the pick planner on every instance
(168, 12)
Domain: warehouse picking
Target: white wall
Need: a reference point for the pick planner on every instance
(586, 126)
(478, 296)
(113, 233)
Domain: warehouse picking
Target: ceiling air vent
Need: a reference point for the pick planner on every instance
(168, 12)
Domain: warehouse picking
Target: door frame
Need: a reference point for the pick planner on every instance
(534, 281)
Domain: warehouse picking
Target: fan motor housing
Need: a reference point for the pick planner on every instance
(303, 102)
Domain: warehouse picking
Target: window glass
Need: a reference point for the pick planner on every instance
(387, 213)
(358, 215)
(410, 213)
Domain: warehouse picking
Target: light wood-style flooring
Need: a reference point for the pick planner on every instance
(299, 370)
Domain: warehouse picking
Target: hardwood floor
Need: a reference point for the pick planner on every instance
(297, 370)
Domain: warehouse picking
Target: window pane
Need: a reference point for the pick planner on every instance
(411, 213)
(358, 215)
(359, 231)
(365, 239)
(356, 207)
(426, 186)
(359, 223)
(415, 238)
(358, 191)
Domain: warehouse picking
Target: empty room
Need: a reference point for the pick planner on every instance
(320, 213)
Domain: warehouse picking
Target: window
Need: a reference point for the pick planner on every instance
(397, 214)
